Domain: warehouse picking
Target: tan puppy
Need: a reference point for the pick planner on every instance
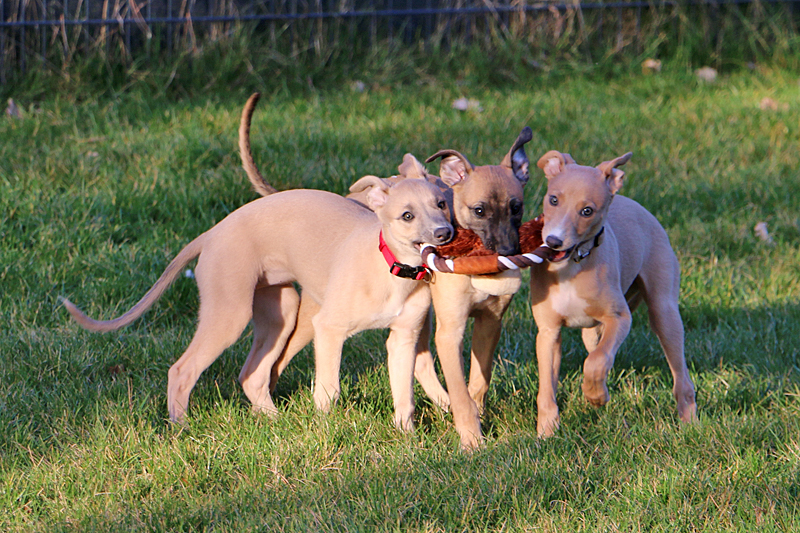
(487, 200)
(612, 255)
(329, 246)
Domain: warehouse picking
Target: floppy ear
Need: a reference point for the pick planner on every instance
(516, 159)
(612, 174)
(454, 168)
(377, 190)
(412, 168)
(553, 163)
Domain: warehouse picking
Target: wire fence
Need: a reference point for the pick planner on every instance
(56, 31)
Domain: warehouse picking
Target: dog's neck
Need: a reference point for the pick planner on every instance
(585, 248)
(402, 270)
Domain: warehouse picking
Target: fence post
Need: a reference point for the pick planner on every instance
(639, 45)
(2, 44)
(86, 31)
(43, 33)
(149, 35)
(170, 26)
(22, 50)
(127, 29)
(104, 12)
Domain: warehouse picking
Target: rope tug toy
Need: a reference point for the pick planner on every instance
(465, 254)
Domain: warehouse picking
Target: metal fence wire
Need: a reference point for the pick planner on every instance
(57, 30)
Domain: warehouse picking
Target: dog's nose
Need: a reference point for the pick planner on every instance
(510, 249)
(554, 242)
(443, 234)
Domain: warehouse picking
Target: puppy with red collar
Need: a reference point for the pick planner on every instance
(337, 251)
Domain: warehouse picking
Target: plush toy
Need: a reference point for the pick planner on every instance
(465, 254)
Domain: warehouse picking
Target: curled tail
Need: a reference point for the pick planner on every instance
(172, 271)
(256, 179)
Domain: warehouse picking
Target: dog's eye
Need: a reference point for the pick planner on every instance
(516, 208)
(553, 200)
(587, 212)
(442, 204)
(479, 211)
(408, 216)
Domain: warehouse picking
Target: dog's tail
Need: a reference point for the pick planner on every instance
(259, 183)
(171, 273)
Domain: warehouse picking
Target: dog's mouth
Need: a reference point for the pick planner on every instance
(561, 255)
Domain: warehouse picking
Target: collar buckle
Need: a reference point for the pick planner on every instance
(401, 270)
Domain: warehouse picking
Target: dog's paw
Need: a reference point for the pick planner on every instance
(324, 400)
(470, 442)
(595, 393)
(267, 410)
(688, 412)
(547, 426)
(404, 421)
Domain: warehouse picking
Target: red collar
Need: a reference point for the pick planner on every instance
(402, 270)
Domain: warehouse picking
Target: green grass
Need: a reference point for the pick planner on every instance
(97, 196)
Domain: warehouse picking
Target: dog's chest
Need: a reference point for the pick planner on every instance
(391, 307)
(566, 301)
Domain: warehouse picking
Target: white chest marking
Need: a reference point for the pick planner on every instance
(568, 304)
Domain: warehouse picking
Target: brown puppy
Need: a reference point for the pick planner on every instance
(487, 200)
(329, 246)
(612, 254)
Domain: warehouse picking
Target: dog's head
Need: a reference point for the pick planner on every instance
(413, 211)
(577, 200)
(489, 199)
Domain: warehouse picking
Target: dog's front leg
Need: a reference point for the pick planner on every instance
(449, 344)
(600, 360)
(548, 355)
(401, 347)
(401, 355)
(328, 341)
(485, 336)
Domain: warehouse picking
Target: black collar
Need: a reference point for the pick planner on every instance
(581, 254)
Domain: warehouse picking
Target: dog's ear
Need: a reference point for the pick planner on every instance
(454, 169)
(553, 163)
(516, 159)
(612, 174)
(377, 190)
(412, 168)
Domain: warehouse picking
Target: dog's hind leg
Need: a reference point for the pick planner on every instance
(224, 313)
(303, 334)
(424, 369)
(274, 315)
(665, 319)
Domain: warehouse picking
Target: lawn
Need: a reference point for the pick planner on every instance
(97, 195)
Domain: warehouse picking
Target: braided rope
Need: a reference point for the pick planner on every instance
(487, 264)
